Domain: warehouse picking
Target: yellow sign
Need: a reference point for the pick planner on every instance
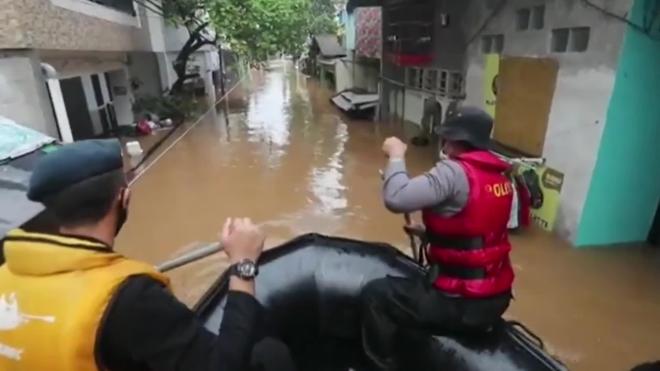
(544, 186)
(491, 71)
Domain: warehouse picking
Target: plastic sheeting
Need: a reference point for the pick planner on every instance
(18, 156)
(15, 208)
(16, 140)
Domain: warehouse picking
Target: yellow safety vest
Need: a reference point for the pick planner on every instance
(54, 291)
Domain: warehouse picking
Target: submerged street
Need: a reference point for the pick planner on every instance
(286, 158)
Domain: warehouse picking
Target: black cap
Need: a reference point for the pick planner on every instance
(469, 124)
(71, 164)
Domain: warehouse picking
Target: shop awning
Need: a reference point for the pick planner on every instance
(329, 46)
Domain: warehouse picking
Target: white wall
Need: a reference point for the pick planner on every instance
(23, 94)
(59, 108)
(366, 77)
(414, 106)
(151, 34)
(576, 122)
(211, 63)
(351, 74)
(165, 70)
(175, 38)
(123, 102)
(343, 75)
(144, 69)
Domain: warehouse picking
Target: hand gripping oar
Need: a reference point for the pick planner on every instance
(192, 256)
(413, 243)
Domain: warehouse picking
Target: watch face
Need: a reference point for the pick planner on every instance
(247, 269)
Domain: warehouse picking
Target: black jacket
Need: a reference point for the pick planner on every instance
(147, 328)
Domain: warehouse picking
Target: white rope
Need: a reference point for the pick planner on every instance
(166, 150)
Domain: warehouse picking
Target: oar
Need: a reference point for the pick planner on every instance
(192, 256)
(413, 244)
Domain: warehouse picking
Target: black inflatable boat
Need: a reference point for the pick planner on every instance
(310, 287)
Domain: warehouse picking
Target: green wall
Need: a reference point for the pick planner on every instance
(625, 187)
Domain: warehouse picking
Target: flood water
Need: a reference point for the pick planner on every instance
(285, 157)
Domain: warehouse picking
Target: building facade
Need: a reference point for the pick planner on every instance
(73, 68)
(567, 81)
(362, 40)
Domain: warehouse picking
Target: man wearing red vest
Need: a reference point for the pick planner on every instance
(465, 202)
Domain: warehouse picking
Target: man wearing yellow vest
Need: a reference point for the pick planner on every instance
(68, 302)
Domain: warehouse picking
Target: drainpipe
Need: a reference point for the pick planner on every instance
(57, 100)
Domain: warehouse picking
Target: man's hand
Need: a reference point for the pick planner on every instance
(242, 240)
(394, 148)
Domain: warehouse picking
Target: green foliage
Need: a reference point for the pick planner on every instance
(257, 29)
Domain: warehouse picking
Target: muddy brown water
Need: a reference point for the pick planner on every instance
(285, 157)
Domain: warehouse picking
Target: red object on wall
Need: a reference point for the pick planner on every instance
(410, 59)
(368, 32)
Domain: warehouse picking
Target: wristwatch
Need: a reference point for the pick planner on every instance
(246, 270)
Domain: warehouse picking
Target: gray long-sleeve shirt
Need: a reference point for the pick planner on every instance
(444, 188)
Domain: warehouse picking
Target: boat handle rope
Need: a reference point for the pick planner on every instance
(528, 333)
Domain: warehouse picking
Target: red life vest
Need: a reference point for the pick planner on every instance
(471, 248)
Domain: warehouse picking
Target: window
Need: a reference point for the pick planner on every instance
(579, 39)
(498, 43)
(530, 18)
(431, 79)
(522, 19)
(115, 11)
(414, 77)
(538, 17)
(442, 84)
(125, 6)
(570, 39)
(486, 44)
(560, 40)
(456, 83)
(411, 76)
(492, 43)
